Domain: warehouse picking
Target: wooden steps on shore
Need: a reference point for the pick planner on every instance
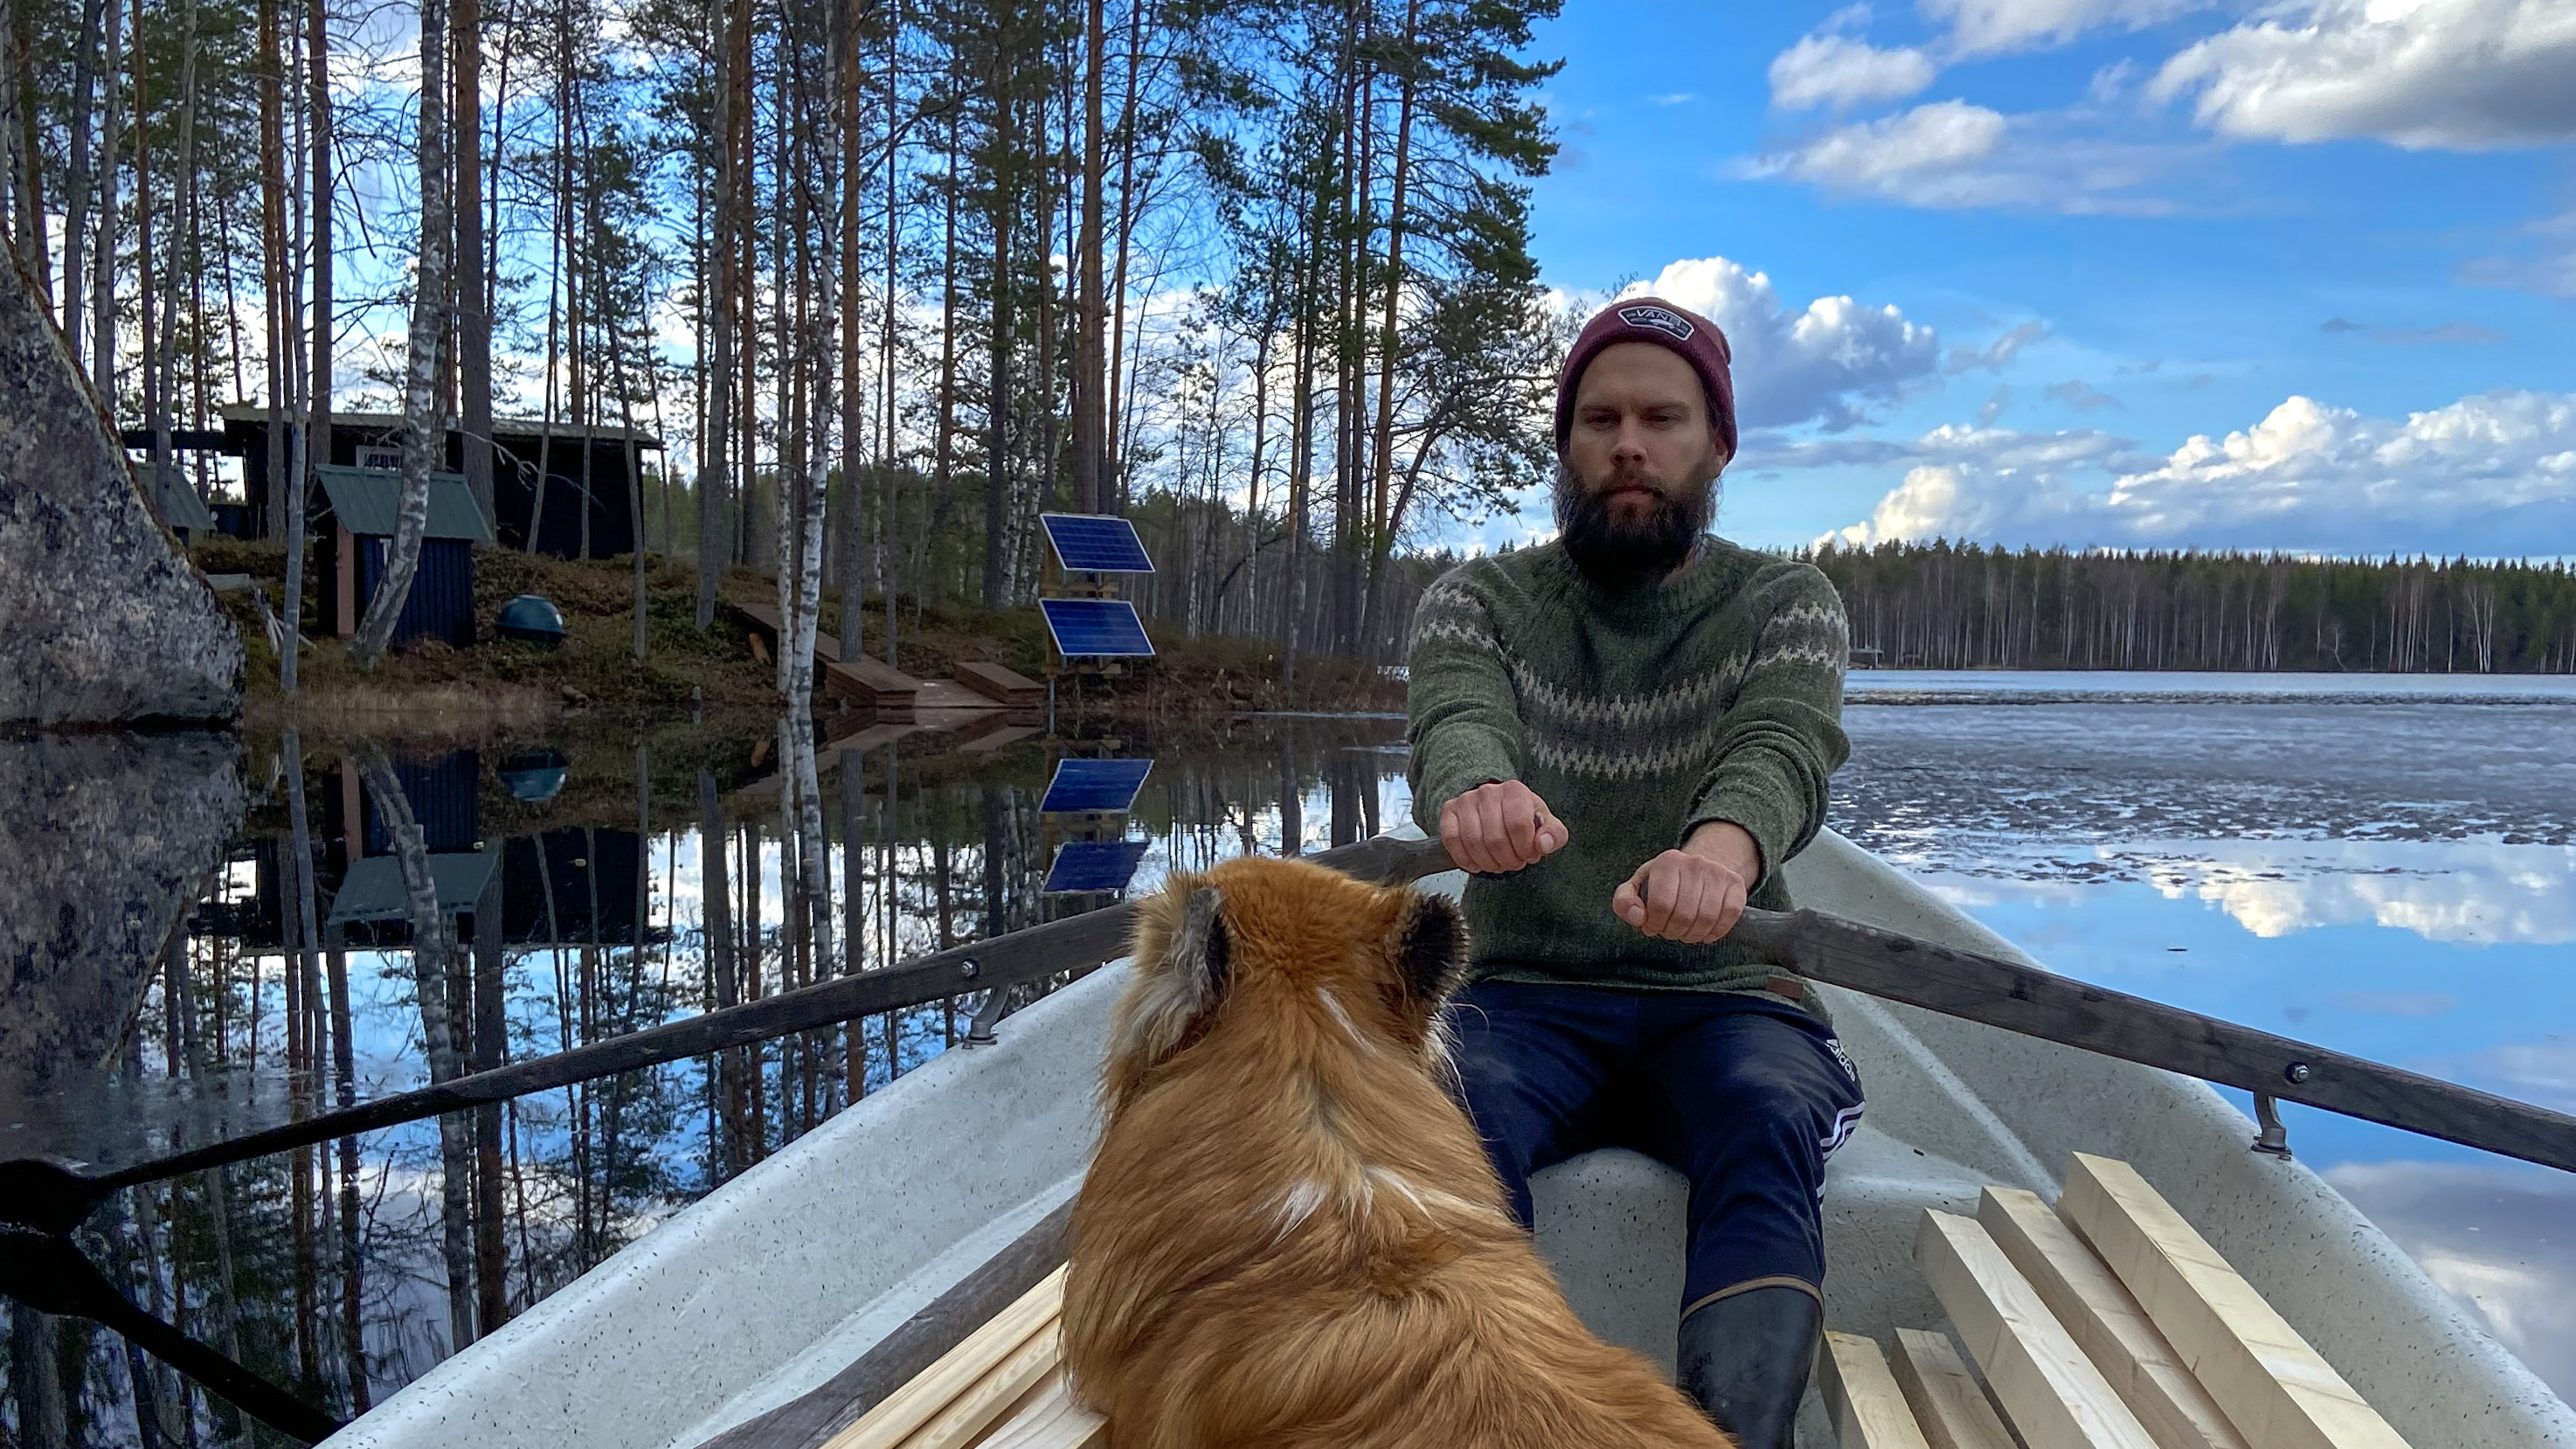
(874, 684)
(1002, 686)
(862, 681)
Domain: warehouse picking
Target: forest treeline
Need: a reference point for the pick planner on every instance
(973, 259)
(1964, 606)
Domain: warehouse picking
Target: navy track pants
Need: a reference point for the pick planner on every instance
(1744, 1095)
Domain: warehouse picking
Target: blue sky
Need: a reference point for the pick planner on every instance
(2102, 272)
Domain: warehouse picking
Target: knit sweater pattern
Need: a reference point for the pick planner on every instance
(1637, 715)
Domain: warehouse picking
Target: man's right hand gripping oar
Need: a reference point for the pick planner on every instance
(1499, 827)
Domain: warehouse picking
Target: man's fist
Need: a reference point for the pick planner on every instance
(1694, 894)
(1498, 828)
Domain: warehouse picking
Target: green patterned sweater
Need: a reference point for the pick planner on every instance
(1637, 716)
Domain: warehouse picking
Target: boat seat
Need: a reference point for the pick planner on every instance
(1612, 1224)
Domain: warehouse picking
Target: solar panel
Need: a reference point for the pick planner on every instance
(1095, 784)
(1095, 865)
(1099, 628)
(1096, 543)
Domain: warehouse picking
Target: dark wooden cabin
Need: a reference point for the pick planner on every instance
(357, 525)
(571, 484)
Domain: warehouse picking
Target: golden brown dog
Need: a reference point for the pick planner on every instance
(1290, 1236)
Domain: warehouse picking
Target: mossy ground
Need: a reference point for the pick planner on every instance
(432, 688)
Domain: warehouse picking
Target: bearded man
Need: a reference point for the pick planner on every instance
(1623, 734)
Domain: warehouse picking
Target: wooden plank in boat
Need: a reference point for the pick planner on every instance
(2275, 1387)
(912, 1349)
(957, 1397)
(1050, 1419)
(2106, 1322)
(2054, 1395)
(1949, 1406)
(1867, 1407)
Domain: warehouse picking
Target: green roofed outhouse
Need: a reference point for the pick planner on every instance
(361, 505)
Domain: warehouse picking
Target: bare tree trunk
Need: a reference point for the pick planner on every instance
(716, 898)
(853, 74)
(432, 952)
(277, 270)
(183, 190)
(316, 450)
(889, 492)
(424, 430)
(1090, 366)
(715, 473)
(490, 1049)
(30, 157)
(943, 448)
(1382, 451)
(85, 68)
(35, 1378)
(474, 292)
(308, 940)
(1112, 444)
(102, 284)
(997, 450)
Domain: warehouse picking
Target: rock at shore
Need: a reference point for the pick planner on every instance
(102, 620)
(109, 838)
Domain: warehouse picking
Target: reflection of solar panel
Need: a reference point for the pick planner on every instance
(1093, 543)
(1095, 784)
(1095, 865)
(1102, 628)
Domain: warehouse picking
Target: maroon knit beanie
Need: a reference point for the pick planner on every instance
(1652, 319)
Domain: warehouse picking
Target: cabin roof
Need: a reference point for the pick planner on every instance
(373, 889)
(367, 501)
(256, 415)
(178, 500)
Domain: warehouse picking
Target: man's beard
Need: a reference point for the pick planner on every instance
(1617, 554)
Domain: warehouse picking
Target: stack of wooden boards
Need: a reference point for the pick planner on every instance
(1002, 1387)
(2108, 1323)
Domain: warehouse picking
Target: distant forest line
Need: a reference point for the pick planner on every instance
(1965, 606)
(1224, 570)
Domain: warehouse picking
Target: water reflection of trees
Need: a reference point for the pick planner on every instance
(670, 876)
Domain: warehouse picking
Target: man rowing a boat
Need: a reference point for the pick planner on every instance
(1623, 734)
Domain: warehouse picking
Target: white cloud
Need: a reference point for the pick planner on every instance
(1999, 452)
(2491, 474)
(2080, 395)
(1990, 27)
(2545, 262)
(2465, 74)
(1822, 363)
(1831, 70)
(2480, 892)
(1995, 354)
(1954, 154)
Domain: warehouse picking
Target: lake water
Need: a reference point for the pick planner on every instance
(2382, 865)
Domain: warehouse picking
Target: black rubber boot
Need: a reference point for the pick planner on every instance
(1745, 1357)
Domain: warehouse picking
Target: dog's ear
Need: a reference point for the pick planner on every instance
(1431, 948)
(1175, 992)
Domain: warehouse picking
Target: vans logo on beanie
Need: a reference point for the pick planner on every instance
(1659, 319)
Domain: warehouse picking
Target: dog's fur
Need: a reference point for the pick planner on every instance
(1291, 1236)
